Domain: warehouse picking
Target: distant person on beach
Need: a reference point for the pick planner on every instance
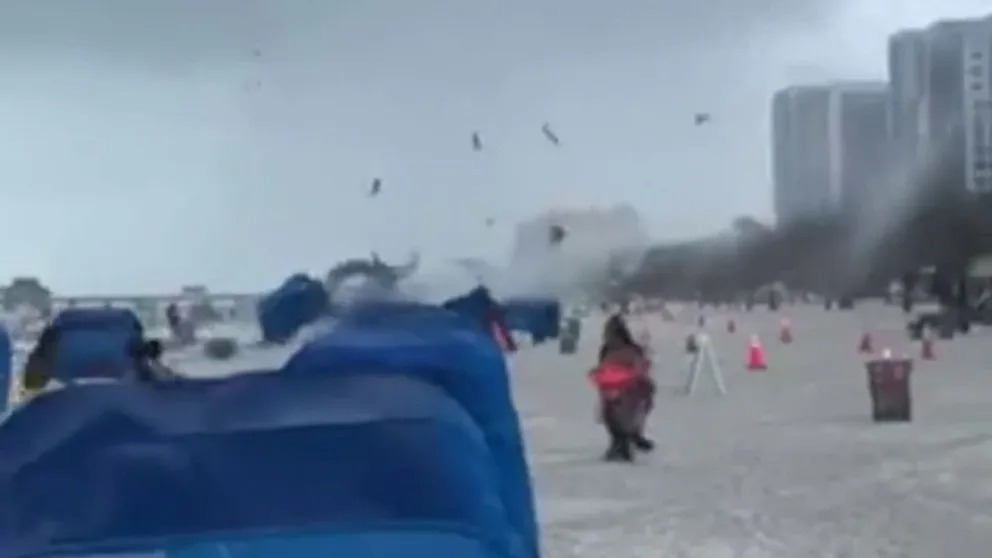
(626, 390)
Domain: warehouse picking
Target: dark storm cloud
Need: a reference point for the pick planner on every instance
(186, 31)
(676, 20)
(108, 105)
(164, 33)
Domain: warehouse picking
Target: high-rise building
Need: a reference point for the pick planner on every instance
(942, 101)
(800, 147)
(959, 102)
(860, 147)
(907, 54)
(829, 146)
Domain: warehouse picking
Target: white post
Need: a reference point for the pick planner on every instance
(695, 363)
(715, 369)
(705, 356)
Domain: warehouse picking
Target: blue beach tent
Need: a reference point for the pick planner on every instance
(299, 301)
(6, 369)
(393, 434)
(480, 309)
(539, 317)
(262, 465)
(93, 343)
(446, 350)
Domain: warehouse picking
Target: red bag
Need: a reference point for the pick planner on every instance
(611, 378)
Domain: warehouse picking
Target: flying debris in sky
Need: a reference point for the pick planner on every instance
(479, 268)
(490, 222)
(549, 133)
(701, 118)
(476, 141)
(556, 234)
(376, 187)
(252, 85)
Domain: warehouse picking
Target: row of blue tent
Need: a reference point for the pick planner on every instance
(392, 434)
(302, 300)
(84, 343)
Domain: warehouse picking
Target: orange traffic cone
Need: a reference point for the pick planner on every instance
(785, 331)
(756, 355)
(866, 346)
(731, 326)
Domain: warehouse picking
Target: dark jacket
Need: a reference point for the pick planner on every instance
(148, 364)
(38, 368)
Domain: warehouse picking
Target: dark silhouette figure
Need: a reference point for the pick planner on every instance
(626, 390)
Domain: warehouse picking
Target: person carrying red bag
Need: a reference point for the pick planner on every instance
(626, 391)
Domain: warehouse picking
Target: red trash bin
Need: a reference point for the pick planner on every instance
(889, 387)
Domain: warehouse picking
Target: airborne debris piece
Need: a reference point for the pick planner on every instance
(556, 234)
(550, 134)
(701, 118)
(490, 221)
(476, 141)
(376, 187)
(252, 85)
(220, 348)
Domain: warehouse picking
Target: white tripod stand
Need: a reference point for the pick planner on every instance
(704, 358)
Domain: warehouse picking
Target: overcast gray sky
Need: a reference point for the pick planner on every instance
(144, 145)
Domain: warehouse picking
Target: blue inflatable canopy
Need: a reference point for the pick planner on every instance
(6, 366)
(451, 352)
(93, 343)
(391, 435)
(319, 462)
(541, 318)
(299, 301)
(477, 306)
(483, 311)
